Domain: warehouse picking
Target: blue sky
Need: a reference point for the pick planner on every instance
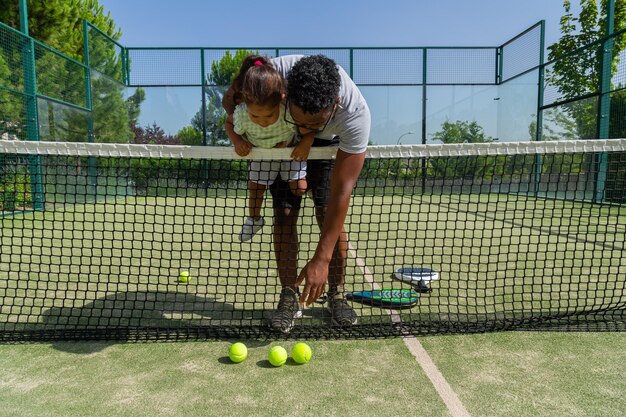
(324, 23)
(330, 22)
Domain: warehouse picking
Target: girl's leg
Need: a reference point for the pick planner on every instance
(255, 193)
(295, 171)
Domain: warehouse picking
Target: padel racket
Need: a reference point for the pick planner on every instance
(419, 278)
(387, 297)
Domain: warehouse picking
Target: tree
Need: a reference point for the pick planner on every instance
(189, 136)
(154, 135)
(461, 132)
(579, 74)
(223, 72)
(450, 168)
(221, 76)
(134, 105)
(59, 24)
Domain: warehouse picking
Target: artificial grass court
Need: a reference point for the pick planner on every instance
(118, 263)
(133, 282)
(494, 374)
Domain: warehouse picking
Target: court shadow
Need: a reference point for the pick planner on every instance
(140, 316)
(316, 312)
(225, 360)
(264, 363)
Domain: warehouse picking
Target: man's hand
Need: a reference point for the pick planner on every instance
(242, 147)
(315, 275)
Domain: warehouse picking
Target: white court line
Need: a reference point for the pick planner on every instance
(445, 391)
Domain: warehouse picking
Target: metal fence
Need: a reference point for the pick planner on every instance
(507, 90)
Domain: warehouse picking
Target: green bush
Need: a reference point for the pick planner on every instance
(15, 190)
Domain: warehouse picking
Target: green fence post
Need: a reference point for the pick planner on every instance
(205, 163)
(127, 68)
(540, 92)
(423, 161)
(499, 64)
(351, 63)
(124, 55)
(604, 104)
(92, 178)
(32, 116)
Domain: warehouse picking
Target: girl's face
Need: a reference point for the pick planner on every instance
(262, 115)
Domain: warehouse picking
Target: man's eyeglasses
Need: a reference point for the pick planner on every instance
(310, 129)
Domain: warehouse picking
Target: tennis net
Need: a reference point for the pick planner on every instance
(441, 238)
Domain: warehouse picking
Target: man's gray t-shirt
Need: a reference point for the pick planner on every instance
(352, 120)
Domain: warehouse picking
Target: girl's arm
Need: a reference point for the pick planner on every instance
(302, 149)
(242, 146)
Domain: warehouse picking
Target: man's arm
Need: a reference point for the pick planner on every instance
(344, 176)
(228, 100)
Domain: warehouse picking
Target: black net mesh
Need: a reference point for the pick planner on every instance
(522, 53)
(59, 77)
(526, 240)
(105, 55)
(154, 67)
(370, 66)
(461, 66)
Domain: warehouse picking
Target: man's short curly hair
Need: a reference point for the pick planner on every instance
(313, 83)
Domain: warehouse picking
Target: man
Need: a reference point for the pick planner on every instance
(321, 99)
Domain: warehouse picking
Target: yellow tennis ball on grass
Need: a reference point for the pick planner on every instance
(277, 356)
(184, 276)
(301, 353)
(237, 352)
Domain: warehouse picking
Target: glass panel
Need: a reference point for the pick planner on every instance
(61, 123)
(458, 105)
(396, 114)
(171, 109)
(12, 116)
(110, 111)
(575, 120)
(517, 108)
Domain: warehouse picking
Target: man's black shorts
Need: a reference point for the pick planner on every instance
(318, 182)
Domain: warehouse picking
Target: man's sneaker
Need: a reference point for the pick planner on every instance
(288, 309)
(341, 313)
(250, 228)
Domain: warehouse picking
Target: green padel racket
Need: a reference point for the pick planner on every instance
(387, 297)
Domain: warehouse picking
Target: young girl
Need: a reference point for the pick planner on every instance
(259, 120)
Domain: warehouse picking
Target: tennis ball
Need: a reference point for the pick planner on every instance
(237, 352)
(277, 356)
(301, 353)
(184, 276)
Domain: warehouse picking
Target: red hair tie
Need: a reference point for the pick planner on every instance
(258, 63)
